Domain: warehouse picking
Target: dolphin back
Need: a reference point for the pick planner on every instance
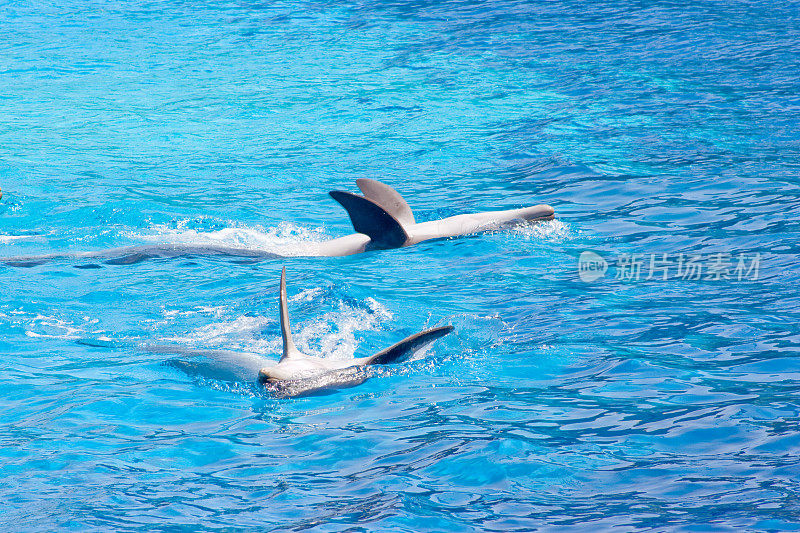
(223, 365)
(404, 349)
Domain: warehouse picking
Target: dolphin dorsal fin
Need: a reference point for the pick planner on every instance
(289, 349)
(387, 198)
(371, 219)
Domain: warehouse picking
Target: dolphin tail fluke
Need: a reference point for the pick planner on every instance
(371, 219)
(405, 348)
(289, 349)
(387, 198)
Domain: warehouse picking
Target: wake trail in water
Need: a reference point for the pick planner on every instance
(254, 244)
(244, 243)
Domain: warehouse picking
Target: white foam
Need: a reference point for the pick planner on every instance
(548, 230)
(307, 295)
(215, 311)
(285, 239)
(8, 239)
(49, 327)
(332, 335)
(225, 332)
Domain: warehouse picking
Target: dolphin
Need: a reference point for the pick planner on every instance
(297, 374)
(381, 218)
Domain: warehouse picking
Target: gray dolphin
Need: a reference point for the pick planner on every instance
(299, 374)
(295, 374)
(381, 218)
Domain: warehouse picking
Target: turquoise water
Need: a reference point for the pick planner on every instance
(651, 127)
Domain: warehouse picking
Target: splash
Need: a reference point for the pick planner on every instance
(332, 335)
(286, 239)
(237, 333)
(549, 230)
(25, 237)
(7, 239)
(43, 326)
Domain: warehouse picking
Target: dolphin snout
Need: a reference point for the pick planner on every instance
(539, 212)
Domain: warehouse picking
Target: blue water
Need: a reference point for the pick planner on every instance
(651, 127)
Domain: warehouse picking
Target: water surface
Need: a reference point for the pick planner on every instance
(651, 127)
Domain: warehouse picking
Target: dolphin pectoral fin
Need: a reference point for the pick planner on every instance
(371, 219)
(401, 351)
(387, 198)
